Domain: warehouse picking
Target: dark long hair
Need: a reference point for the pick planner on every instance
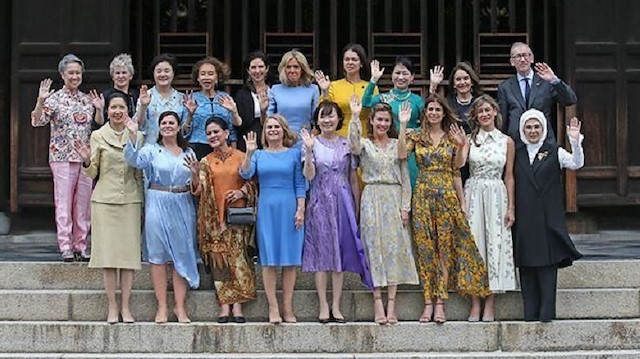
(476, 88)
(180, 139)
(247, 62)
(448, 119)
(365, 72)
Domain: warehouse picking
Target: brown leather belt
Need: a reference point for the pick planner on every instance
(158, 187)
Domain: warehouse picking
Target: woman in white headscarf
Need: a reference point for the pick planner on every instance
(540, 237)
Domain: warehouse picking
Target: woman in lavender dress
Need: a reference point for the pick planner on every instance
(331, 243)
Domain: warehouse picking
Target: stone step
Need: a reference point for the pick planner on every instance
(58, 275)
(592, 354)
(91, 305)
(86, 337)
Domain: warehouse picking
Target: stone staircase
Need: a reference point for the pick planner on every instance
(57, 310)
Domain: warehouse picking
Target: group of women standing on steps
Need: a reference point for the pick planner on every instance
(380, 195)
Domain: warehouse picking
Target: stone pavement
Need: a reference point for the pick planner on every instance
(40, 245)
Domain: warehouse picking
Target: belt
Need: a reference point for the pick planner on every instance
(171, 189)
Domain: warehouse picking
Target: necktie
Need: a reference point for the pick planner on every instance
(527, 91)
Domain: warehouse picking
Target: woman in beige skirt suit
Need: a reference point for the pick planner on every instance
(116, 206)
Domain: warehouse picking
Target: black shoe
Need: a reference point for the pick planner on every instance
(323, 320)
(82, 256)
(224, 319)
(239, 319)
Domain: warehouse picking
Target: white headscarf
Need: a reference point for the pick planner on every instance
(532, 148)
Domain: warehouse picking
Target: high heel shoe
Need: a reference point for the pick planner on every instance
(381, 319)
(391, 319)
(439, 318)
(426, 314)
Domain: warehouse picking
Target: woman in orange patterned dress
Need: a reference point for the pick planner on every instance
(447, 256)
(223, 247)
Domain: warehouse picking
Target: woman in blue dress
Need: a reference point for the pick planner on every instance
(402, 76)
(281, 201)
(170, 216)
(296, 97)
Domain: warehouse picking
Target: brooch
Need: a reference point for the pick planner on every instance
(542, 155)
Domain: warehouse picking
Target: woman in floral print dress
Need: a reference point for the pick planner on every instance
(448, 259)
(385, 206)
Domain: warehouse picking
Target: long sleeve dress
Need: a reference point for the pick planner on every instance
(386, 194)
(296, 104)
(224, 247)
(281, 184)
(448, 259)
(395, 98)
(486, 197)
(170, 215)
(340, 92)
(158, 105)
(332, 242)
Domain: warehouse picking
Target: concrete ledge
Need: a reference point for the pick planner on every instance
(618, 354)
(52, 275)
(75, 337)
(91, 305)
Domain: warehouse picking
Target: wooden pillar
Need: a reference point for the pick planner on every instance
(5, 68)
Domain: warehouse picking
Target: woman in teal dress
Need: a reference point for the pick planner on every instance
(401, 77)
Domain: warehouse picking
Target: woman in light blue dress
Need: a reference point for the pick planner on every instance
(296, 97)
(279, 226)
(170, 217)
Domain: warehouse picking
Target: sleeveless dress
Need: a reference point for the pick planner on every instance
(486, 196)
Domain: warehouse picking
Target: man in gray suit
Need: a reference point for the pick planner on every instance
(529, 89)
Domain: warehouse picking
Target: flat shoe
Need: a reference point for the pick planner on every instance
(224, 319)
(474, 319)
(487, 319)
(323, 320)
(239, 319)
(340, 320)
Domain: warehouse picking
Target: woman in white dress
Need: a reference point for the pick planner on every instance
(489, 195)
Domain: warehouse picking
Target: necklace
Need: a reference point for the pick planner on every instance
(118, 133)
(222, 156)
(399, 96)
(463, 102)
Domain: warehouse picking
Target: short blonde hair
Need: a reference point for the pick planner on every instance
(307, 75)
(121, 60)
(289, 137)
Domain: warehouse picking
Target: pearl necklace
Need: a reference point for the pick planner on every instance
(463, 103)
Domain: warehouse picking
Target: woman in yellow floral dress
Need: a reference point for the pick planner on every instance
(447, 256)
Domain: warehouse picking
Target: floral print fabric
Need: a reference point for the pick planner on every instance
(69, 113)
(448, 259)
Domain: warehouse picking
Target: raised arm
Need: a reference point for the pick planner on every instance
(355, 130)
(141, 107)
(324, 84)
(134, 153)
(97, 100)
(436, 75)
(309, 169)
(561, 91)
(368, 99)
(248, 167)
(575, 159)
(462, 145)
(40, 117)
(404, 116)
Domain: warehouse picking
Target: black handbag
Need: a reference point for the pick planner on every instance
(241, 215)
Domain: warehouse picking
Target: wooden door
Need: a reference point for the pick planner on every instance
(42, 32)
(602, 58)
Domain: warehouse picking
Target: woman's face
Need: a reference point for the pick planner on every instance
(117, 110)
(401, 77)
(207, 76)
(381, 123)
(121, 77)
(486, 115)
(462, 82)
(351, 62)
(216, 136)
(533, 130)
(257, 70)
(273, 130)
(169, 126)
(434, 113)
(72, 76)
(163, 74)
(294, 72)
(328, 122)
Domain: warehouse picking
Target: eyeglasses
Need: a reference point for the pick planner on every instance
(521, 56)
(532, 127)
